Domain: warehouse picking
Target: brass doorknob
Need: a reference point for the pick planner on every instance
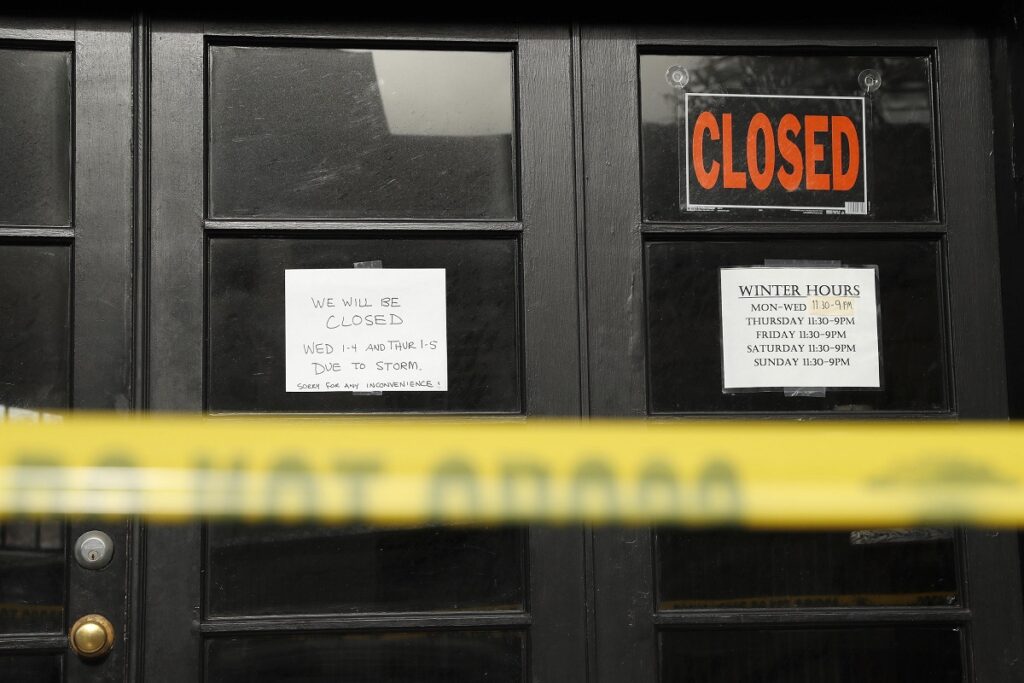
(92, 636)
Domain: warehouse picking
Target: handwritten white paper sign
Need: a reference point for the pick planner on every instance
(370, 329)
(799, 327)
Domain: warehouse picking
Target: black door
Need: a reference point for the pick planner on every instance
(266, 148)
(682, 187)
(66, 332)
(285, 147)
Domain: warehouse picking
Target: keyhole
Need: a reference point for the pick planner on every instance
(93, 549)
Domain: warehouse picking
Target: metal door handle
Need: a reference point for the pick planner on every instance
(91, 636)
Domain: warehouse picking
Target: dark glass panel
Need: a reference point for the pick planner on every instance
(35, 136)
(30, 668)
(246, 322)
(393, 657)
(684, 326)
(896, 120)
(832, 655)
(35, 325)
(31, 576)
(306, 570)
(861, 568)
(322, 132)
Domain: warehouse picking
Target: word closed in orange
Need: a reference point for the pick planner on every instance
(775, 152)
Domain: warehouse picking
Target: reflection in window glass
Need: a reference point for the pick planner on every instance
(31, 577)
(878, 655)
(832, 132)
(390, 657)
(684, 326)
(34, 668)
(253, 569)
(35, 327)
(858, 568)
(323, 132)
(247, 311)
(35, 136)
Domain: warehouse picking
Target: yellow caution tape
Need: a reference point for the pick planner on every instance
(758, 474)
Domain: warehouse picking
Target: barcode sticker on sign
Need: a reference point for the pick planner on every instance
(857, 208)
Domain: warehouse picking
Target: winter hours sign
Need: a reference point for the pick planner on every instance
(799, 327)
(373, 329)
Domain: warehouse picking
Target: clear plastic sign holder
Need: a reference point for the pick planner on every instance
(869, 82)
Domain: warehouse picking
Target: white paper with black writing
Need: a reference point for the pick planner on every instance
(365, 330)
(799, 327)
